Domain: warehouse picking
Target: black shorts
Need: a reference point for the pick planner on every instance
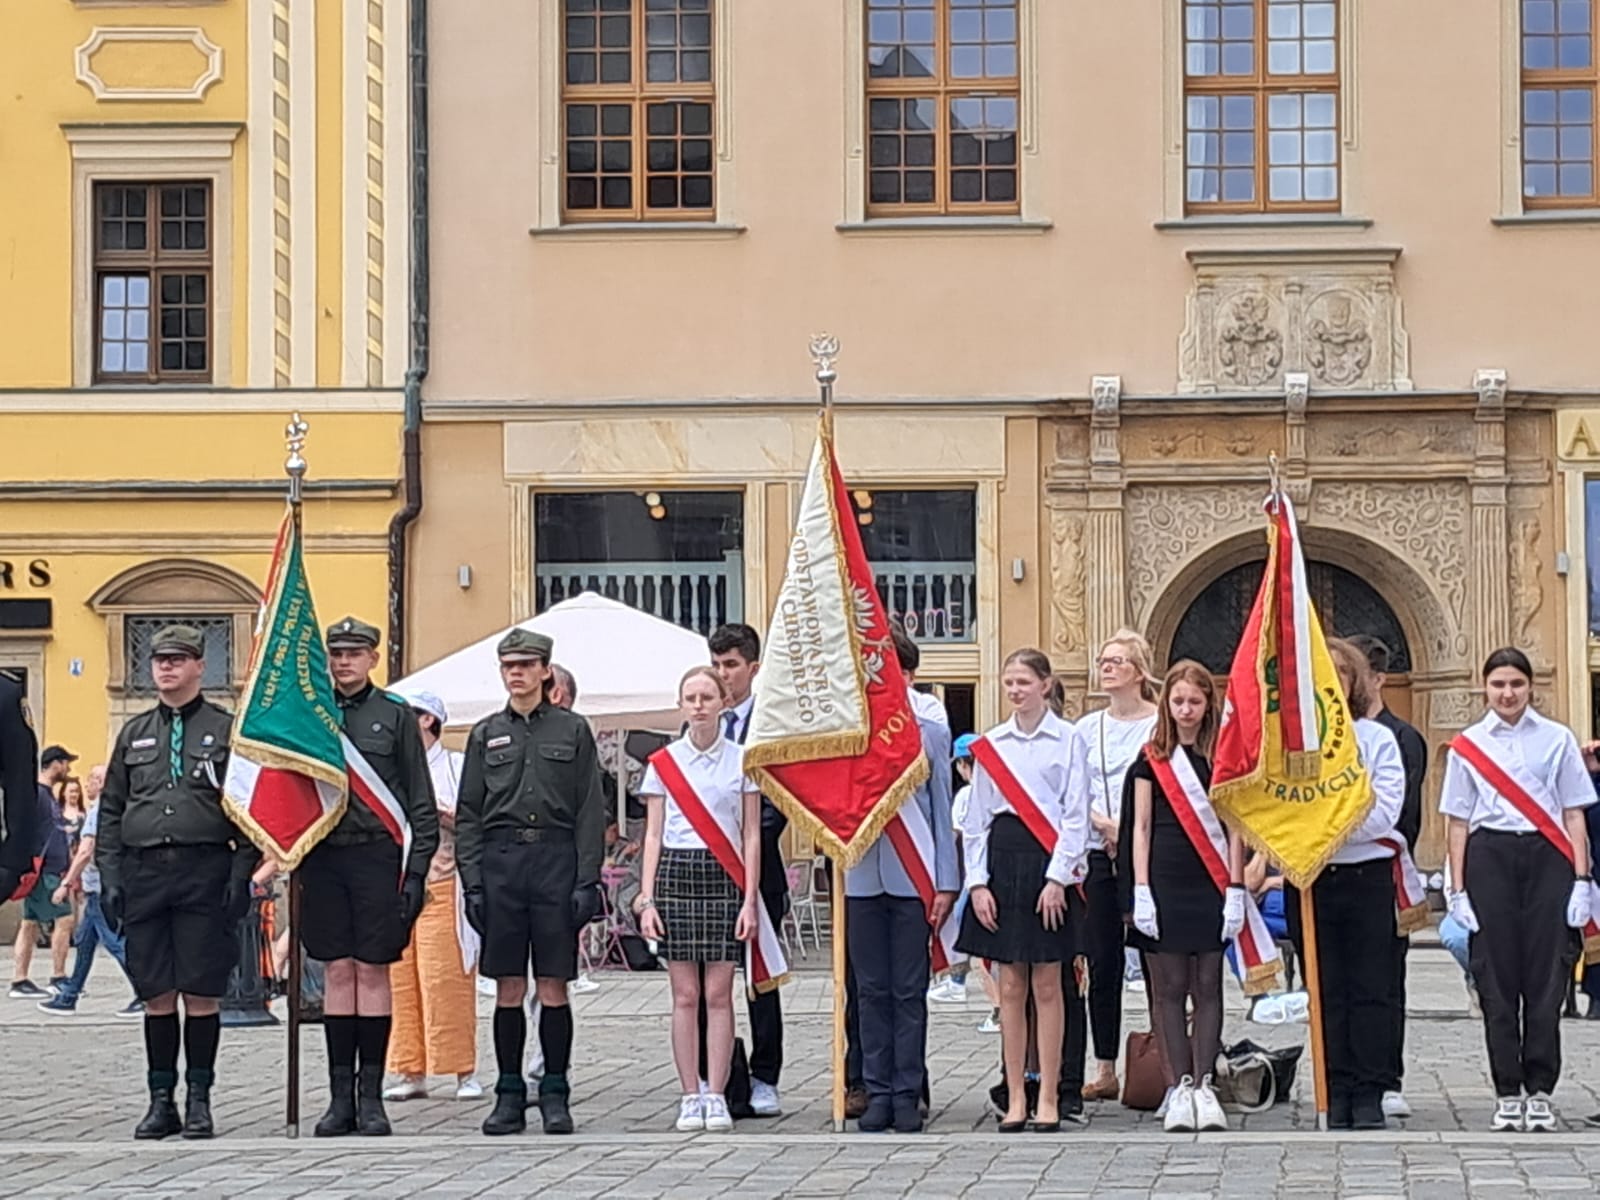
(350, 903)
(177, 936)
(527, 909)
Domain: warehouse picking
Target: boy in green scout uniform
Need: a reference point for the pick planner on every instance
(530, 832)
(175, 876)
(358, 898)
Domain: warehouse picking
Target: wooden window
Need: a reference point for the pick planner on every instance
(1261, 103)
(152, 282)
(1559, 86)
(636, 99)
(942, 100)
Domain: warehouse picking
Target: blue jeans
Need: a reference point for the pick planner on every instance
(93, 932)
(1454, 936)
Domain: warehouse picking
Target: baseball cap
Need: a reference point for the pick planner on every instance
(55, 754)
(963, 746)
(427, 702)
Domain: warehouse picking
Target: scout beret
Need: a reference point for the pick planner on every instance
(522, 644)
(179, 639)
(351, 634)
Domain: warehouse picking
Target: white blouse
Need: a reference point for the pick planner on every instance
(1112, 745)
(1536, 745)
(717, 777)
(1054, 753)
(1380, 754)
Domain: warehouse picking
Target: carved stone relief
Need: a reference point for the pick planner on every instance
(1527, 586)
(1168, 523)
(1357, 437)
(1209, 441)
(1068, 577)
(1452, 708)
(1252, 318)
(1072, 444)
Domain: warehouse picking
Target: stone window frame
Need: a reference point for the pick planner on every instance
(1352, 191)
(152, 153)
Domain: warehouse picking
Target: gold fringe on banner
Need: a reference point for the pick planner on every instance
(1262, 978)
(1591, 950)
(846, 854)
(1408, 920)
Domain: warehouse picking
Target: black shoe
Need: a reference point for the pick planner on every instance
(1366, 1111)
(162, 1118)
(1000, 1100)
(1070, 1105)
(340, 1119)
(510, 1113)
(1594, 1009)
(371, 1119)
(855, 1101)
(1593, 1121)
(1340, 1110)
(877, 1118)
(1030, 1089)
(197, 1124)
(908, 1115)
(553, 1110)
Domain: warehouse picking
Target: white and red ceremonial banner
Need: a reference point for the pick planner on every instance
(765, 967)
(1410, 896)
(911, 836)
(292, 770)
(1520, 789)
(832, 741)
(1255, 951)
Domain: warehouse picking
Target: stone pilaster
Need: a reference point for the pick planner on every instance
(1296, 474)
(1491, 561)
(1104, 551)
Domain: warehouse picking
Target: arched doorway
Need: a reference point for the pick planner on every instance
(1347, 605)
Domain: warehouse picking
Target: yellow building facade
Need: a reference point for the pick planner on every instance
(205, 214)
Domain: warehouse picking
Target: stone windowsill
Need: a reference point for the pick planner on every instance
(915, 226)
(1268, 221)
(622, 231)
(1547, 217)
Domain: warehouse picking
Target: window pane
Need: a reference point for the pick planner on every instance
(1220, 37)
(124, 325)
(982, 35)
(1558, 142)
(983, 133)
(1301, 37)
(139, 631)
(900, 40)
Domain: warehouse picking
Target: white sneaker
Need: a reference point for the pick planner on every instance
(1394, 1105)
(582, 985)
(1180, 1108)
(705, 1088)
(1166, 1099)
(1507, 1116)
(948, 991)
(1537, 1117)
(1208, 1114)
(487, 987)
(1268, 1010)
(764, 1099)
(717, 1117)
(1297, 1008)
(691, 1115)
(989, 1025)
(469, 1089)
(1474, 1006)
(407, 1089)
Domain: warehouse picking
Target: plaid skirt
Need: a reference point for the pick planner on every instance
(699, 906)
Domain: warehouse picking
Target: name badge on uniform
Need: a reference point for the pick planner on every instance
(141, 744)
(496, 742)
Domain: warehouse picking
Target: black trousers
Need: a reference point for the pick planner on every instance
(888, 946)
(1397, 1007)
(1522, 954)
(766, 1010)
(1099, 938)
(1354, 906)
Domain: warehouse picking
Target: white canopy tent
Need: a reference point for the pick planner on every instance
(627, 665)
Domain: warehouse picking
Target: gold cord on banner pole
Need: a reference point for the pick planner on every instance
(295, 468)
(824, 349)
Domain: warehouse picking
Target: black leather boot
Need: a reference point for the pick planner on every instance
(162, 1118)
(371, 1120)
(510, 1113)
(553, 1110)
(340, 1119)
(197, 1124)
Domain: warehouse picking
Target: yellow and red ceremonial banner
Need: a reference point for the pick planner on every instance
(832, 739)
(1288, 771)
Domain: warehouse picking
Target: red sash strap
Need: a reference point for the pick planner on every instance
(920, 871)
(1021, 801)
(1182, 805)
(1410, 898)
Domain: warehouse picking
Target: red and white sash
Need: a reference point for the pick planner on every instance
(1410, 897)
(367, 786)
(1019, 791)
(1255, 951)
(1520, 788)
(911, 836)
(764, 964)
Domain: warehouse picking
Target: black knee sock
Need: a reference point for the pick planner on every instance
(161, 1050)
(555, 1038)
(341, 1035)
(372, 1038)
(510, 1039)
(200, 1037)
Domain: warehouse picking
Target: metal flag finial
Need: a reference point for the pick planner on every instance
(295, 466)
(1273, 480)
(824, 349)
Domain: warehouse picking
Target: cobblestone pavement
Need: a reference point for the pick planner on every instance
(65, 1123)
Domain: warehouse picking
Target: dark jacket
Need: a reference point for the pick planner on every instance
(383, 728)
(19, 769)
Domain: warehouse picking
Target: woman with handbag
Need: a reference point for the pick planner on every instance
(1024, 841)
(1177, 904)
(1113, 736)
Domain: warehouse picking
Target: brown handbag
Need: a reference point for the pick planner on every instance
(1143, 1085)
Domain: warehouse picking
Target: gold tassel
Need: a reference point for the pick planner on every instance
(1591, 950)
(1261, 978)
(771, 985)
(1301, 764)
(1408, 920)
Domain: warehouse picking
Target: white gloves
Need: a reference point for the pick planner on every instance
(1144, 911)
(1232, 913)
(1461, 911)
(1580, 905)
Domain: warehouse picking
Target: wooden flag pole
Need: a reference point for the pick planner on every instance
(1311, 973)
(292, 1090)
(839, 968)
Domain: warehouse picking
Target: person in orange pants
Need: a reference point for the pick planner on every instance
(435, 997)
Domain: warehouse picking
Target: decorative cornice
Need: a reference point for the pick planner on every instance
(192, 35)
(201, 489)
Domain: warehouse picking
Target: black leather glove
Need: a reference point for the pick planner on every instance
(111, 903)
(413, 892)
(473, 902)
(585, 904)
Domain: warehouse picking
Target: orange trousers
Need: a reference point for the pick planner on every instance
(435, 1002)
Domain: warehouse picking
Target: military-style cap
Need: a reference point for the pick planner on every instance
(520, 645)
(352, 634)
(179, 639)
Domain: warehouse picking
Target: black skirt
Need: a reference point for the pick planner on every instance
(699, 906)
(1016, 876)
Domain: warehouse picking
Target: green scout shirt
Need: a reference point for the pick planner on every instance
(383, 728)
(149, 801)
(533, 772)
